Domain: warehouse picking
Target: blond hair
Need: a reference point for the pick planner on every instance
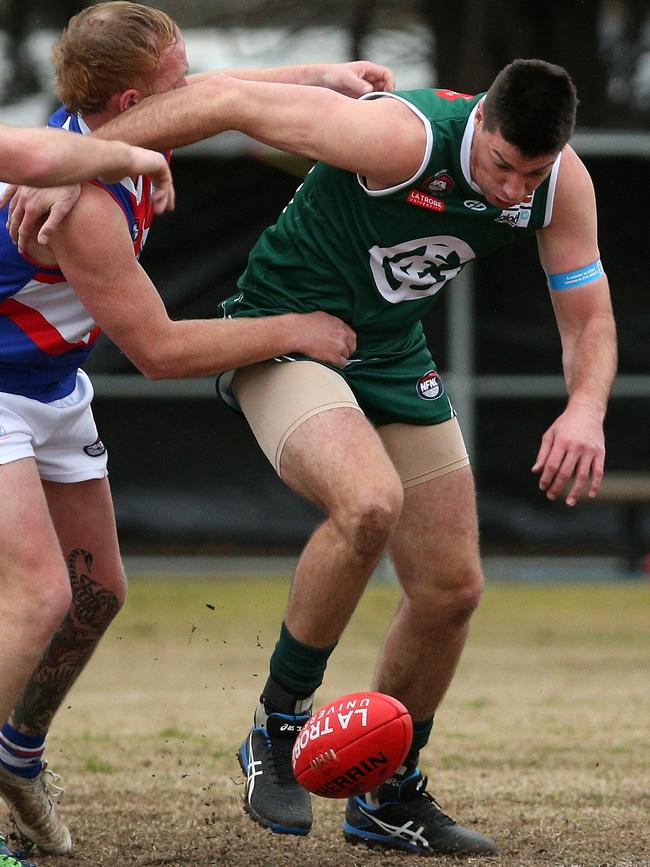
(108, 48)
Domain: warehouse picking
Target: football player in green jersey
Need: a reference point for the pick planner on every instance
(409, 187)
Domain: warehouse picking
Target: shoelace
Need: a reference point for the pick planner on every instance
(421, 801)
(281, 753)
(51, 780)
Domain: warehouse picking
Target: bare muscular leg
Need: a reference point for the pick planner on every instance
(336, 460)
(435, 552)
(84, 520)
(34, 587)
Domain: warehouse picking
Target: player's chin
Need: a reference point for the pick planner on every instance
(501, 203)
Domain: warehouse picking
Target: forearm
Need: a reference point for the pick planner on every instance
(196, 348)
(41, 157)
(176, 118)
(590, 361)
(285, 116)
(305, 73)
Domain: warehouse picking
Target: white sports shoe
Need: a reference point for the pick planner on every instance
(33, 811)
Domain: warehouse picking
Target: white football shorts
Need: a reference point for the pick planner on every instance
(61, 436)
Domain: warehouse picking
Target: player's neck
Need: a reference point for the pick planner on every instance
(96, 119)
(113, 107)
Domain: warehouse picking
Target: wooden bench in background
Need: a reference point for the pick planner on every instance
(630, 491)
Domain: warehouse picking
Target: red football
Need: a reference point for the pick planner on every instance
(352, 745)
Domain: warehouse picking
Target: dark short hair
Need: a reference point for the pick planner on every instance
(532, 104)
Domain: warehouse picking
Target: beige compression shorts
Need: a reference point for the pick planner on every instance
(277, 397)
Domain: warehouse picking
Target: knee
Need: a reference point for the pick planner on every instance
(118, 588)
(41, 605)
(96, 597)
(454, 595)
(369, 519)
(466, 595)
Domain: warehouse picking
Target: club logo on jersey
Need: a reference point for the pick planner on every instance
(475, 205)
(96, 450)
(430, 386)
(422, 200)
(439, 184)
(416, 269)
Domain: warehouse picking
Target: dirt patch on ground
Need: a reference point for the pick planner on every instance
(543, 741)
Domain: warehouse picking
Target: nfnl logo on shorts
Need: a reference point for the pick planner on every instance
(430, 386)
(422, 200)
(96, 450)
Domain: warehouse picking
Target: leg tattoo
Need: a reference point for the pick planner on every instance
(92, 610)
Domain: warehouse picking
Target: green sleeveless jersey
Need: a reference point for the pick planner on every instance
(378, 259)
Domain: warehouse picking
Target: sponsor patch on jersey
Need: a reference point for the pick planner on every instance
(96, 450)
(439, 184)
(430, 386)
(453, 94)
(516, 218)
(475, 205)
(422, 200)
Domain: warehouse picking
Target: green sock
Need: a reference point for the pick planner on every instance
(421, 733)
(297, 667)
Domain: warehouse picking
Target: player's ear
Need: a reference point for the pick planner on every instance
(129, 98)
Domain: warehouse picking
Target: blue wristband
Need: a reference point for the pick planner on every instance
(579, 277)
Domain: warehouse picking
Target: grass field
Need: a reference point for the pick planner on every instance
(543, 740)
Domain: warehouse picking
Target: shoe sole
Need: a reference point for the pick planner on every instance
(27, 836)
(242, 758)
(357, 838)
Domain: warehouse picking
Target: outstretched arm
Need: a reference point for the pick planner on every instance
(381, 139)
(94, 250)
(351, 79)
(573, 448)
(48, 157)
(203, 109)
(56, 160)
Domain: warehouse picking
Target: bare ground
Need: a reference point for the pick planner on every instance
(543, 741)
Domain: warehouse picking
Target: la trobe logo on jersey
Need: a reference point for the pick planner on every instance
(431, 190)
(423, 200)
